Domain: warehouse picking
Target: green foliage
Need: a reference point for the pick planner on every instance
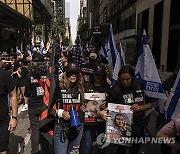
(65, 41)
(82, 28)
(57, 25)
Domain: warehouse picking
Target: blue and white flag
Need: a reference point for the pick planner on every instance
(120, 62)
(146, 71)
(18, 51)
(172, 107)
(111, 49)
(89, 46)
(42, 45)
(103, 51)
(29, 51)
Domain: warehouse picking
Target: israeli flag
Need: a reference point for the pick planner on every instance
(42, 45)
(103, 51)
(29, 51)
(146, 71)
(172, 107)
(18, 50)
(120, 62)
(111, 49)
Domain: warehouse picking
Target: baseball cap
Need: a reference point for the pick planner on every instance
(18, 52)
(99, 70)
(93, 55)
(103, 60)
(72, 67)
(38, 57)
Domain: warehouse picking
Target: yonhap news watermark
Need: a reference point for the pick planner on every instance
(104, 140)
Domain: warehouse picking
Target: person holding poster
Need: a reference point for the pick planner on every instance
(96, 91)
(128, 91)
(67, 137)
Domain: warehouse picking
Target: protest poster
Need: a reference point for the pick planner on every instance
(93, 106)
(118, 125)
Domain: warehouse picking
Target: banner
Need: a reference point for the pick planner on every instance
(49, 99)
(118, 125)
(93, 106)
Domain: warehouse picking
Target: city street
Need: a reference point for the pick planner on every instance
(92, 64)
(20, 138)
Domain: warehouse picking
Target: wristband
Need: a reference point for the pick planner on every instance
(59, 113)
(14, 117)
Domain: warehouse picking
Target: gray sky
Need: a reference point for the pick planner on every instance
(74, 12)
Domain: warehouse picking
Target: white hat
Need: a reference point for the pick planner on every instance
(93, 55)
(18, 52)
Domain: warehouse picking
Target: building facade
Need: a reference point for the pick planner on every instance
(129, 18)
(158, 18)
(17, 18)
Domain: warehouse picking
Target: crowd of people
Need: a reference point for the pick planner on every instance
(23, 77)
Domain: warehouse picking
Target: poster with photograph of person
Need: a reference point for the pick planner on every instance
(118, 124)
(94, 104)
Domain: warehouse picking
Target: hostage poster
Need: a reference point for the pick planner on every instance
(118, 124)
(93, 106)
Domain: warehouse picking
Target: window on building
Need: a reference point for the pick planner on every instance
(130, 22)
(118, 5)
(111, 12)
(117, 23)
(126, 24)
(122, 25)
(105, 15)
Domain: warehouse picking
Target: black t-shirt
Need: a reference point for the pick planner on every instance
(128, 96)
(24, 72)
(16, 65)
(6, 86)
(34, 90)
(69, 100)
(23, 77)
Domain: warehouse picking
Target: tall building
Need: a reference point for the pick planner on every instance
(67, 11)
(83, 8)
(67, 21)
(60, 6)
(159, 18)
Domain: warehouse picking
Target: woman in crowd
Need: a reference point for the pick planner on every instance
(67, 138)
(97, 84)
(128, 91)
(16, 65)
(22, 75)
(34, 91)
